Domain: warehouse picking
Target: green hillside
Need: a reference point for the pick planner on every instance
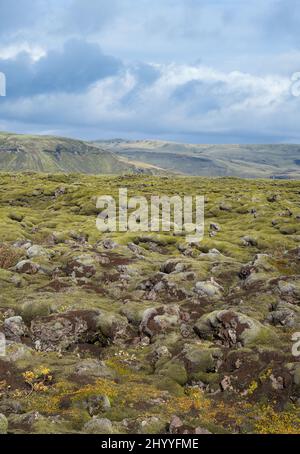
(248, 161)
(55, 154)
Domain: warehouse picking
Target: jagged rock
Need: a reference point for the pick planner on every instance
(14, 328)
(277, 383)
(161, 319)
(60, 331)
(226, 384)
(229, 328)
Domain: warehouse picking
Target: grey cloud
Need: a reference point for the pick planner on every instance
(71, 69)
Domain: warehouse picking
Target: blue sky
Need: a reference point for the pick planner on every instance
(199, 71)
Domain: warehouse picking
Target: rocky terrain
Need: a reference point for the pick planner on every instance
(142, 332)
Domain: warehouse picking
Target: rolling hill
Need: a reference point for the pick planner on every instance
(55, 154)
(248, 161)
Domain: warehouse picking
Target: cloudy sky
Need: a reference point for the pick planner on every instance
(199, 71)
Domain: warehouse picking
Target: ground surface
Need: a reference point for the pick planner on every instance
(140, 332)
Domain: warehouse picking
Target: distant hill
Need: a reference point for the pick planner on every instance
(55, 154)
(250, 161)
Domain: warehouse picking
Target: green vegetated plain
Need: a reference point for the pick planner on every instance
(142, 332)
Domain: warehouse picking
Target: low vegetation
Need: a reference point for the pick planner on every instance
(142, 332)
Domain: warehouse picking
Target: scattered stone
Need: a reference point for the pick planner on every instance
(95, 404)
(209, 289)
(101, 426)
(109, 244)
(14, 328)
(93, 368)
(27, 267)
(229, 328)
(157, 320)
(273, 198)
(226, 384)
(9, 406)
(60, 331)
(36, 251)
(175, 425)
(249, 241)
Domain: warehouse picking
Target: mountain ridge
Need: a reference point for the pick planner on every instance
(249, 160)
(51, 154)
(58, 154)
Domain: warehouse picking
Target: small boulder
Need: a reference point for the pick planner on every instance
(14, 328)
(36, 251)
(209, 289)
(101, 426)
(215, 227)
(58, 332)
(109, 244)
(229, 328)
(27, 267)
(93, 368)
(172, 266)
(95, 404)
(161, 319)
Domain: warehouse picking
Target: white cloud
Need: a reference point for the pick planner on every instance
(184, 99)
(11, 51)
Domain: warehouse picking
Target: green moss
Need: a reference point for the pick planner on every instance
(174, 370)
